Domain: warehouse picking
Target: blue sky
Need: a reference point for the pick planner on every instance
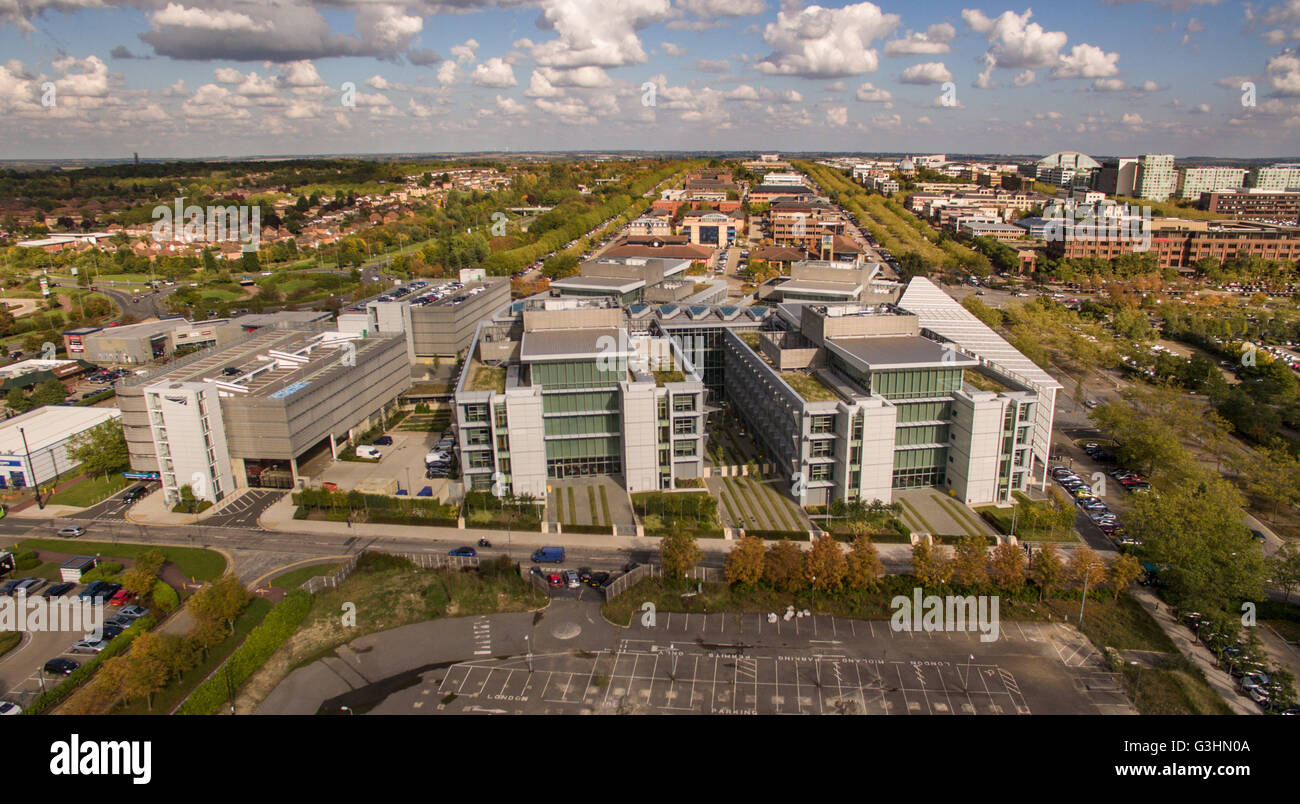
(103, 78)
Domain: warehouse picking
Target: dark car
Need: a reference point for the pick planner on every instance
(598, 579)
(135, 494)
(584, 574)
(58, 590)
(382, 441)
(464, 552)
(9, 586)
(231, 371)
(60, 666)
(111, 631)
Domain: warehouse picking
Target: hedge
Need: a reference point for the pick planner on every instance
(262, 641)
(54, 697)
(165, 598)
(586, 528)
(774, 535)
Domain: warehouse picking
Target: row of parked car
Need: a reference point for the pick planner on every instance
(438, 461)
(573, 579)
(1250, 672)
(1097, 510)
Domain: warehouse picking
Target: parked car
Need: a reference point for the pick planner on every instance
(111, 630)
(60, 666)
(11, 708)
(584, 574)
(571, 579)
(436, 456)
(464, 552)
(133, 612)
(8, 587)
(598, 580)
(382, 441)
(368, 452)
(58, 590)
(28, 585)
(121, 597)
(89, 645)
(71, 532)
(555, 581)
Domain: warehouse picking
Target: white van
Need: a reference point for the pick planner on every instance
(368, 452)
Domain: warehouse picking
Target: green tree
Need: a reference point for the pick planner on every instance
(679, 553)
(1284, 568)
(49, 392)
(1124, 569)
(1007, 568)
(1196, 529)
(970, 563)
(101, 450)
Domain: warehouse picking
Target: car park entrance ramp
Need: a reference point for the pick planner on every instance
(377, 485)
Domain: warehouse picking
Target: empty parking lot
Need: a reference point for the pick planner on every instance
(744, 664)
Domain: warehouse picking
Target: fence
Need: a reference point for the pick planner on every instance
(627, 580)
(421, 560)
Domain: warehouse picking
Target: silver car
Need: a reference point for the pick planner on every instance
(71, 532)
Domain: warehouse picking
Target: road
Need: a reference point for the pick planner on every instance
(140, 305)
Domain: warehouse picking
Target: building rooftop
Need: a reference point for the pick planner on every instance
(885, 352)
(571, 344)
(49, 425)
(273, 364)
(943, 315)
(612, 284)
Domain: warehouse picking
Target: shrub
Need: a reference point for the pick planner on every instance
(104, 571)
(262, 641)
(165, 598)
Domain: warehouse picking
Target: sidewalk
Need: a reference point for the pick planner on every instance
(279, 518)
(153, 511)
(1183, 639)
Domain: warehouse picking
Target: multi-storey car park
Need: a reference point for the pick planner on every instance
(250, 413)
(853, 400)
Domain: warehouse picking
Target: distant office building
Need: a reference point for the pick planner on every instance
(1116, 177)
(1194, 181)
(437, 319)
(1284, 176)
(715, 229)
(1252, 204)
(155, 340)
(1156, 179)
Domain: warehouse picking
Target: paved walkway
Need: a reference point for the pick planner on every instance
(1187, 643)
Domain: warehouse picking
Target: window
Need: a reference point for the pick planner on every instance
(684, 427)
(823, 424)
(480, 460)
(820, 471)
(822, 448)
(475, 413)
(501, 415)
(683, 403)
(684, 449)
(478, 437)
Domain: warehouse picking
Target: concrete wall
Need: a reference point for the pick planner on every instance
(640, 436)
(879, 421)
(527, 440)
(975, 447)
(440, 329)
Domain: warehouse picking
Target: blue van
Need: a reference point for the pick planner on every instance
(551, 555)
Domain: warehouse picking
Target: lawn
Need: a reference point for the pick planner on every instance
(175, 693)
(194, 562)
(90, 490)
(9, 640)
(297, 577)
